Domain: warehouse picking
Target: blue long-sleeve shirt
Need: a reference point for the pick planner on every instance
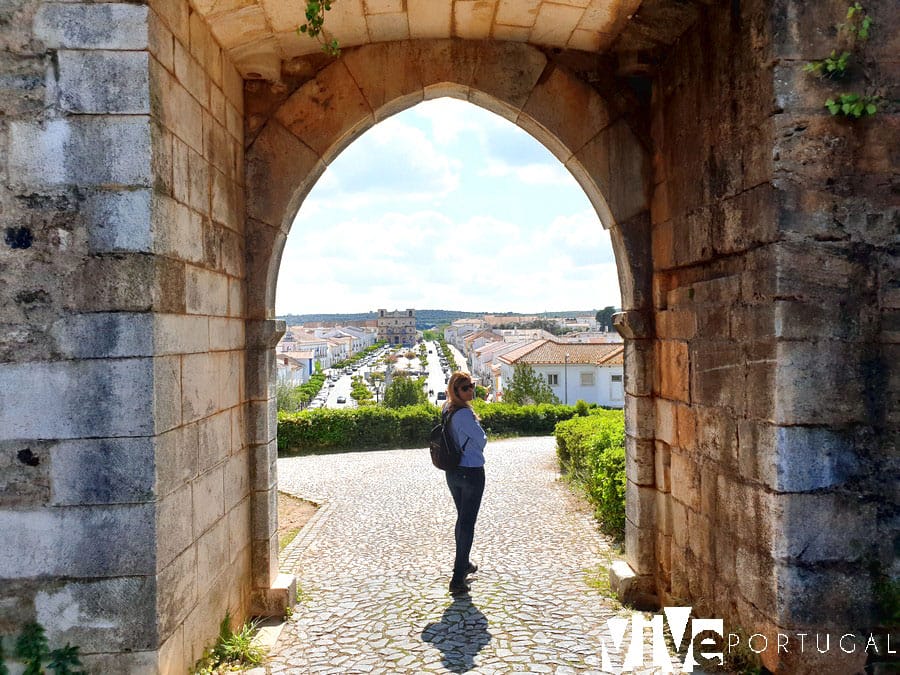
(467, 432)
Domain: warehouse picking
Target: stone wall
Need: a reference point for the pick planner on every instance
(125, 497)
(774, 299)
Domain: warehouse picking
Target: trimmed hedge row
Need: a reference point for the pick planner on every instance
(326, 429)
(591, 452)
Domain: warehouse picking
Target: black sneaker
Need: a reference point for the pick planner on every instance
(472, 568)
(459, 588)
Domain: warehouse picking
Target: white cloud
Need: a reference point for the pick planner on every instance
(390, 225)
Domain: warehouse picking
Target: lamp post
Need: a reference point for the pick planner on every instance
(566, 378)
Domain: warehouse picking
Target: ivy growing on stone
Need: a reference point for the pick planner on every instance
(852, 34)
(315, 21)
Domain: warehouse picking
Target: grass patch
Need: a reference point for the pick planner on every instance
(287, 537)
(232, 650)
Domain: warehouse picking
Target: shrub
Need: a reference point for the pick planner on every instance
(591, 451)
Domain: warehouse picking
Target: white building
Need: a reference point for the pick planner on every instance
(593, 373)
(295, 368)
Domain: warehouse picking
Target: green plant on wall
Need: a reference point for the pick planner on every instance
(852, 34)
(32, 650)
(315, 22)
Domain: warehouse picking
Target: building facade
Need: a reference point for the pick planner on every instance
(397, 328)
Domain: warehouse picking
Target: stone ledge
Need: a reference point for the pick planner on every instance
(276, 600)
(638, 591)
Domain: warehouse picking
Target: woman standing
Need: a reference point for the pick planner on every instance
(466, 482)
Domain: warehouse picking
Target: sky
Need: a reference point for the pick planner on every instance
(446, 206)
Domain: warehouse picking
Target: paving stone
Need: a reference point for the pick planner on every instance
(377, 560)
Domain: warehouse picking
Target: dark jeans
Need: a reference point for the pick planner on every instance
(466, 484)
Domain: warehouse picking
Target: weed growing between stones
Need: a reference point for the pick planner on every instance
(232, 649)
(32, 650)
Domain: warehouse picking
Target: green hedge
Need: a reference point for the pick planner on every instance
(326, 429)
(591, 452)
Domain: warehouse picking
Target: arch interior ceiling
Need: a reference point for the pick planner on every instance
(260, 36)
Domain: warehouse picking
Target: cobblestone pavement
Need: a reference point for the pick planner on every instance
(375, 562)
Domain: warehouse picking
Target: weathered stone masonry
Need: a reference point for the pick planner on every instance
(756, 239)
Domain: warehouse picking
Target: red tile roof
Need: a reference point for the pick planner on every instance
(550, 351)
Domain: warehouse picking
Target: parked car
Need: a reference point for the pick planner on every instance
(341, 399)
(442, 396)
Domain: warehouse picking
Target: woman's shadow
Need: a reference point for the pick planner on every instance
(461, 633)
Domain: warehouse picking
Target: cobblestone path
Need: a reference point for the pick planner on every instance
(375, 561)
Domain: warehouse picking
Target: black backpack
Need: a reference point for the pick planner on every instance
(445, 453)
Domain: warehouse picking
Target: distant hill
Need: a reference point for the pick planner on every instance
(425, 318)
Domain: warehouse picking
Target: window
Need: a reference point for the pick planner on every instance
(553, 379)
(587, 379)
(616, 378)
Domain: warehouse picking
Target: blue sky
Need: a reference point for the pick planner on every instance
(446, 206)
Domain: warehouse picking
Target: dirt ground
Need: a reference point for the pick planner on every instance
(292, 514)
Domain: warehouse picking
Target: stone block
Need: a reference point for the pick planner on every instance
(239, 534)
(666, 421)
(685, 480)
(264, 563)
(629, 193)
(238, 428)
(715, 368)
(161, 42)
(98, 82)
(172, 658)
(663, 466)
(212, 554)
(387, 90)
(636, 591)
(826, 598)
(231, 251)
(174, 529)
(505, 77)
(755, 576)
(198, 187)
(103, 335)
(191, 75)
(100, 615)
(66, 394)
(226, 334)
(202, 624)
(177, 590)
(427, 20)
(717, 434)
(176, 231)
(802, 459)
(75, 25)
(327, 130)
(94, 541)
(214, 438)
(180, 334)
(545, 113)
(205, 292)
(227, 205)
(102, 471)
(640, 504)
(278, 598)
(177, 111)
(236, 298)
(675, 370)
(237, 478)
(639, 363)
(640, 548)
(686, 421)
(176, 459)
(747, 220)
(274, 162)
(736, 509)
(639, 416)
(25, 475)
(676, 324)
(263, 466)
(664, 519)
(209, 499)
(98, 150)
(640, 461)
(118, 220)
(262, 424)
(264, 514)
(819, 383)
(230, 369)
(167, 409)
(218, 146)
(820, 528)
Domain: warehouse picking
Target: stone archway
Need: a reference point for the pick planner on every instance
(324, 115)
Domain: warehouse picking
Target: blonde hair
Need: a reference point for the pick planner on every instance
(456, 379)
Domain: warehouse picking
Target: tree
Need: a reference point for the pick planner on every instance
(604, 316)
(526, 387)
(403, 391)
